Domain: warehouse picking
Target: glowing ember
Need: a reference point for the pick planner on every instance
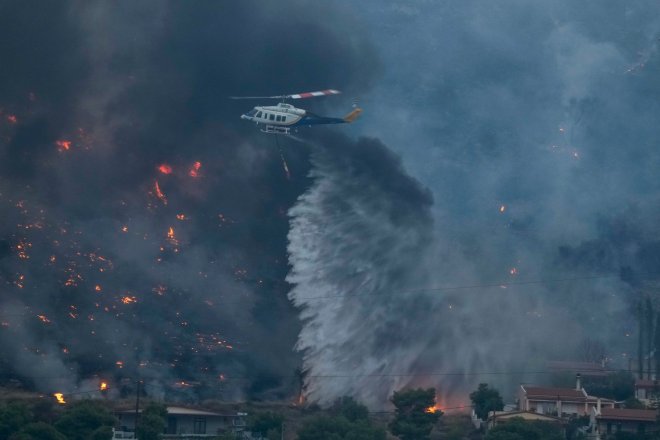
(433, 409)
(63, 145)
(513, 271)
(181, 217)
(165, 168)
(97, 288)
(119, 364)
(129, 299)
(124, 229)
(43, 319)
(194, 171)
(502, 208)
(103, 386)
(12, 119)
(159, 193)
(170, 235)
(60, 398)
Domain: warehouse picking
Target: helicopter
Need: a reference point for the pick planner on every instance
(280, 118)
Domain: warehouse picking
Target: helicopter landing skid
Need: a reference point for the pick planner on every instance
(275, 129)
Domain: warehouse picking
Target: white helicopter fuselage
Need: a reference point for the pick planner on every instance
(277, 115)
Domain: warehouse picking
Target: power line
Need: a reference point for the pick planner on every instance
(383, 375)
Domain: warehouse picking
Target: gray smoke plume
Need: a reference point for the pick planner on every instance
(357, 236)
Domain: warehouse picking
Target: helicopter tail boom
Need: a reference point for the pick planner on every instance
(353, 115)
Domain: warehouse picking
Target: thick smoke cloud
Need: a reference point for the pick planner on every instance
(534, 125)
(115, 267)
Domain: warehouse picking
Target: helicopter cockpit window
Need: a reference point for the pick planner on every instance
(258, 114)
(252, 112)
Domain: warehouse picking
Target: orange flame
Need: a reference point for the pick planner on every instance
(159, 193)
(194, 171)
(165, 168)
(129, 299)
(170, 235)
(103, 386)
(60, 398)
(43, 318)
(63, 145)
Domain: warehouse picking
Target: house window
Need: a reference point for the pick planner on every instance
(199, 425)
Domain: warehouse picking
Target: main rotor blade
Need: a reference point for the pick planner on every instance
(293, 96)
(260, 97)
(314, 94)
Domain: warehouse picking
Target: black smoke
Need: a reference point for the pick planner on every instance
(102, 276)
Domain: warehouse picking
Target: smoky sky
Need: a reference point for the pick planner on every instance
(144, 225)
(146, 230)
(534, 125)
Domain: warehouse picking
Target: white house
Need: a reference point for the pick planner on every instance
(560, 401)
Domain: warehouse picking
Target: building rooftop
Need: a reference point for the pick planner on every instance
(181, 410)
(546, 393)
(623, 414)
(646, 383)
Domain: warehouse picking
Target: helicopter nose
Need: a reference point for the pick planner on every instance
(244, 116)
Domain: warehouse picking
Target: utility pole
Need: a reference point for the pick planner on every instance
(137, 406)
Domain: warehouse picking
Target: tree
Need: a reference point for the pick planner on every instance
(619, 385)
(485, 400)
(12, 418)
(339, 428)
(153, 421)
(351, 409)
(414, 417)
(38, 431)
(519, 429)
(82, 419)
(633, 403)
(266, 424)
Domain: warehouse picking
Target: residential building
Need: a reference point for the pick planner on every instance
(183, 423)
(496, 418)
(609, 421)
(561, 402)
(645, 390)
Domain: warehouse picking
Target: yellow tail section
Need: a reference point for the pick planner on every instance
(352, 116)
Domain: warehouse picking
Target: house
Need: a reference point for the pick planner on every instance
(646, 389)
(561, 402)
(496, 418)
(183, 422)
(609, 421)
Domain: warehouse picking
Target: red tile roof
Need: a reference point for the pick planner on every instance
(646, 383)
(641, 415)
(542, 393)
